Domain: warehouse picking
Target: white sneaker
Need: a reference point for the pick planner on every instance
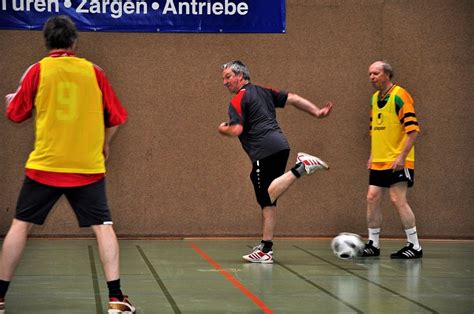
(2, 306)
(120, 307)
(258, 256)
(311, 163)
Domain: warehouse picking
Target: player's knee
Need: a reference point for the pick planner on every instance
(21, 226)
(398, 201)
(102, 229)
(372, 198)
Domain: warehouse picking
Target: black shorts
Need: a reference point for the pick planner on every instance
(264, 171)
(387, 178)
(89, 202)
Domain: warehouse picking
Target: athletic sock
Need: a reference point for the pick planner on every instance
(3, 288)
(298, 169)
(412, 237)
(267, 245)
(374, 235)
(114, 289)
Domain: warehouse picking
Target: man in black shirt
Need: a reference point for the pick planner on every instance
(252, 117)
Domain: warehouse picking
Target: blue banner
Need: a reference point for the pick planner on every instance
(206, 16)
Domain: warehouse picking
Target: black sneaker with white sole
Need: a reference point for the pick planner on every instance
(408, 252)
(370, 250)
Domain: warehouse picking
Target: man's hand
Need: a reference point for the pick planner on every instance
(105, 151)
(8, 99)
(399, 163)
(230, 129)
(325, 110)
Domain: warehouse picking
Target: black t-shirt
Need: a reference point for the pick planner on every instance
(254, 108)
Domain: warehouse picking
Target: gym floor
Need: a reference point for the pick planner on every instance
(208, 276)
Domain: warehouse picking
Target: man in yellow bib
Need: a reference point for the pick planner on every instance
(76, 115)
(393, 129)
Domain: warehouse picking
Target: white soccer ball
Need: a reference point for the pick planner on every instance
(347, 245)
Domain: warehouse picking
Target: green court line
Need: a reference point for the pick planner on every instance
(160, 282)
(95, 282)
(316, 285)
(369, 281)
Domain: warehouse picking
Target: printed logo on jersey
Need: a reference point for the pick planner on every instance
(379, 121)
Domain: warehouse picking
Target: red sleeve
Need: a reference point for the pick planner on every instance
(236, 110)
(279, 96)
(115, 113)
(20, 104)
(236, 102)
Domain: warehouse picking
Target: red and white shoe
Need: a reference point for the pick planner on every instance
(258, 256)
(311, 163)
(2, 306)
(120, 307)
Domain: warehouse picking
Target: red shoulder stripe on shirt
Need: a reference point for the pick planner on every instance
(272, 89)
(236, 101)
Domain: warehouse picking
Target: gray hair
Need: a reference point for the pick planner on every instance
(238, 67)
(387, 69)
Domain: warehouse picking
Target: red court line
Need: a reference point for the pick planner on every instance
(233, 280)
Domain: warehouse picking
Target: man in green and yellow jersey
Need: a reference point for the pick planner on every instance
(393, 129)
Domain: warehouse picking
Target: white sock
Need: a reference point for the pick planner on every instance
(412, 237)
(374, 234)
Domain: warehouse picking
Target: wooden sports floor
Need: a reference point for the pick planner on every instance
(208, 276)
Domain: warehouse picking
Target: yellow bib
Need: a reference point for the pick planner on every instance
(69, 118)
(388, 134)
